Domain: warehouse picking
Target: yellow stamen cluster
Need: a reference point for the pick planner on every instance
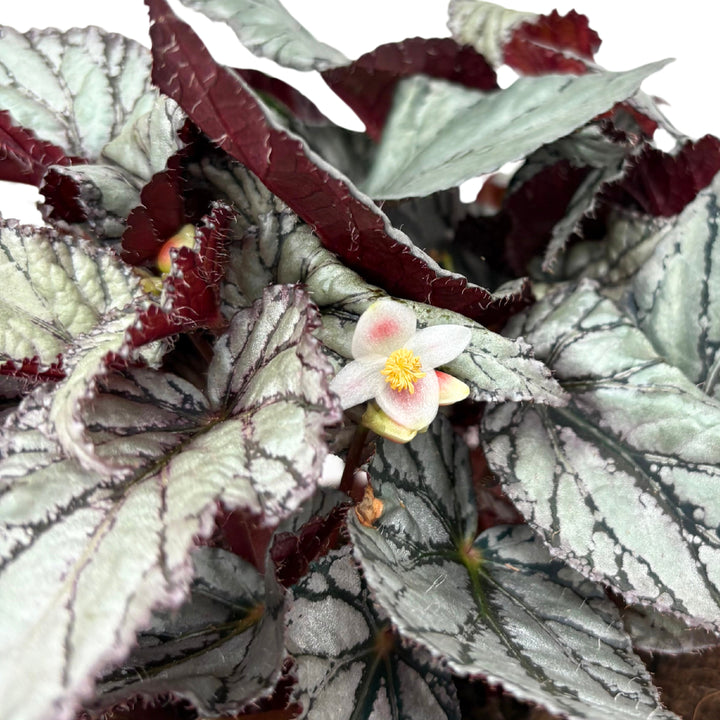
(402, 370)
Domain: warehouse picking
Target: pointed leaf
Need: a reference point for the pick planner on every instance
(282, 249)
(223, 648)
(347, 221)
(432, 139)
(620, 482)
(499, 607)
(345, 649)
(684, 264)
(368, 84)
(267, 29)
(256, 441)
(75, 89)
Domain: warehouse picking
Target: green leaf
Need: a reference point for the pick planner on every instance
(256, 441)
(676, 292)
(433, 140)
(76, 89)
(622, 482)
(498, 607)
(350, 663)
(268, 30)
(222, 649)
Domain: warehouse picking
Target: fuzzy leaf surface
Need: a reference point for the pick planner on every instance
(685, 265)
(268, 30)
(56, 289)
(255, 440)
(223, 648)
(281, 248)
(498, 607)
(621, 482)
(350, 664)
(347, 221)
(433, 140)
(75, 89)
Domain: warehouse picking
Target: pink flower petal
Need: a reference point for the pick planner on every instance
(414, 410)
(385, 326)
(439, 344)
(377, 421)
(452, 390)
(358, 381)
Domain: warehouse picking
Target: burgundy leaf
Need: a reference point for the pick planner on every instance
(18, 378)
(553, 43)
(192, 285)
(662, 184)
(296, 103)
(23, 157)
(368, 84)
(281, 705)
(292, 553)
(346, 221)
(63, 197)
(534, 209)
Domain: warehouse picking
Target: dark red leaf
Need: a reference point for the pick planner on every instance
(219, 103)
(193, 285)
(280, 705)
(662, 184)
(553, 43)
(535, 208)
(294, 101)
(64, 199)
(367, 85)
(137, 708)
(19, 377)
(292, 553)
(23, 157)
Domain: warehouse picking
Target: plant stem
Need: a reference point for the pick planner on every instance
(352, 460)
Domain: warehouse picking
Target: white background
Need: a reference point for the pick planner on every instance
(634, 32)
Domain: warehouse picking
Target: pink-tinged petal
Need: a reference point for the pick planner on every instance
(358, 381)
(385, 326)
(439, 344)
(414, 410)
(377, 421)
(452, 390)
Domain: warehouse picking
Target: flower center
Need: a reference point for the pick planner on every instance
(402, 370)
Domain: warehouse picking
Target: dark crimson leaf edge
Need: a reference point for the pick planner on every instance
(347, 222)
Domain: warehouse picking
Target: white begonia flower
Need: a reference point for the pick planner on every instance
(394, 364)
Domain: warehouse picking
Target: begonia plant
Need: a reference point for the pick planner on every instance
(291, 431)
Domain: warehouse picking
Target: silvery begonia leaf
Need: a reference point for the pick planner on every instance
(278, 247)
(75, 89)
(56, 289)
(221, 649)
(628, 244)
(254, 441)
(485, 25)
(268, 30)
(621, 482)
(350, 663)
(676, 292)
(348, 222)
(107, 190)
(432, 139)
(497, 606)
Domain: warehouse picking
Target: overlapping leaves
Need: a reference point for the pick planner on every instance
(346, 649)
(496, 606)
(255, 439)
(223, 648)
(621, 482)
